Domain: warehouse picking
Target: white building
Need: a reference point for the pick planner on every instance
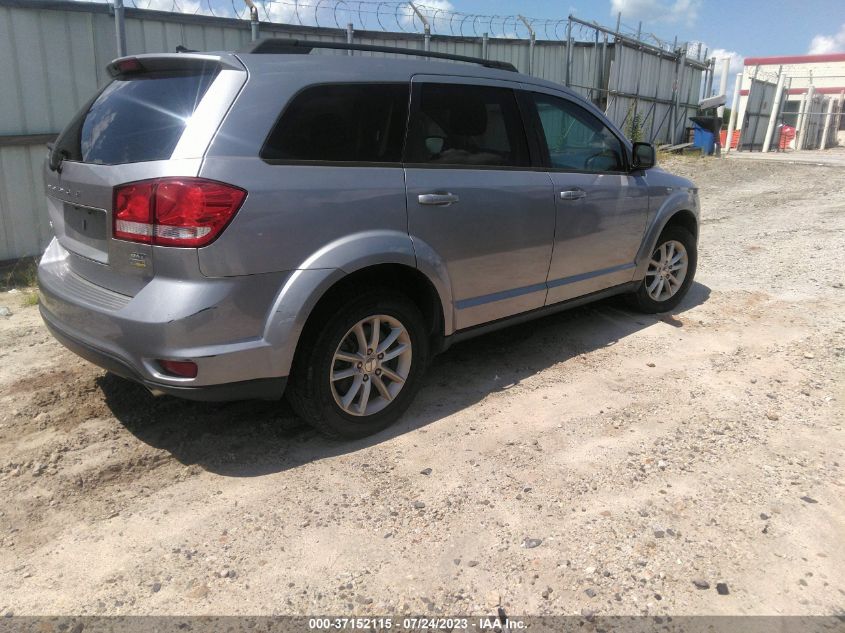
(814, 89)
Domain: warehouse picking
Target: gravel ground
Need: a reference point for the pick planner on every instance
(597, 460)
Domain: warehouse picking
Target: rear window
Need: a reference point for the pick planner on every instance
(348, 123)
(137, 118)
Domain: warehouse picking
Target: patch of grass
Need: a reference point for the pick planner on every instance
(31, 299)
(19, 273)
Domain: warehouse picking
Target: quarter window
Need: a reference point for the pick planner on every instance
(342, 123)
(466, 125)
(576, 139)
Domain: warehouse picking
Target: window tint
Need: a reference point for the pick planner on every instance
(136, 119)
(467, 125)
(342, 123)
(576, 139)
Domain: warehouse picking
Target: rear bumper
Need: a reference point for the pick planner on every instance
(257, 389)
(216, 323)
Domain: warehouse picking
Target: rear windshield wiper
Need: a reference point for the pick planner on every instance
(57, 157)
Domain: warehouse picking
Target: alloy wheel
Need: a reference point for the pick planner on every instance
(667, 270)
(370, 365)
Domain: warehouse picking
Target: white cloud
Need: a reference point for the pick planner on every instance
(665, 11)
(828, 43)
(736, 63)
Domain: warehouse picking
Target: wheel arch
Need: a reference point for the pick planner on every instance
(385, 258)
(682, 217)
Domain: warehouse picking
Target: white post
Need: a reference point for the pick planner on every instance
(802, 112)
(773, 117)
(840, 104)
(827, 119)
(805, 120)
(723, 83)
(734, 112)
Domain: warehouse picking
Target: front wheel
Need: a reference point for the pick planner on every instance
(359, 372)
(670, 272)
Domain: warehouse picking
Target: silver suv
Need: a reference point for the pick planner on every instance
(243, 225)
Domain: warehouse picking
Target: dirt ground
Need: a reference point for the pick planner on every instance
(597, 460)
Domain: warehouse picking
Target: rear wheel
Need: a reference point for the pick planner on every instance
(670, 272)
(359, 371)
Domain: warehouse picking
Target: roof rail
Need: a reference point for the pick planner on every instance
(279, 45)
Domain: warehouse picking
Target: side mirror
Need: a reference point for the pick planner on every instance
(644, 156)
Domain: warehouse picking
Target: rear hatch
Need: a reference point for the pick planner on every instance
(155, 119)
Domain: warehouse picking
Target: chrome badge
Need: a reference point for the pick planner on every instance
(138, 260)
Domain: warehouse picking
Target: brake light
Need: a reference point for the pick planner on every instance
(129, 65)
(188, 212)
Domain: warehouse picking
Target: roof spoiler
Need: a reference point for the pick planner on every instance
(284, 46)
(181, 60)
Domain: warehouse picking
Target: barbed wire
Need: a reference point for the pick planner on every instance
(391, 16)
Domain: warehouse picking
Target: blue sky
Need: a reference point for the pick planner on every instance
(751, 27)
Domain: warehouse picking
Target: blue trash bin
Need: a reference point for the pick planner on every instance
(703, 138)
(704, 132)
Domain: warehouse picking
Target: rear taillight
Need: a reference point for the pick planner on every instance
(174, 211)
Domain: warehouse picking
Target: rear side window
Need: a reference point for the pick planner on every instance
(348, 123)
(137, 118)
(469, 125)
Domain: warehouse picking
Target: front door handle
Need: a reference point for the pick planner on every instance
(438, 199)
(573, 194)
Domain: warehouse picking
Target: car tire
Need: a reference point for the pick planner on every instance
(331, 365)
(663, 287)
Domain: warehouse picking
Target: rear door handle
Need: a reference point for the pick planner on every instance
(573, 194)
(438, 199)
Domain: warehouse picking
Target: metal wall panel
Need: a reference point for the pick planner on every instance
(758, 110)
(653, 78)
(24, 225)
(53, 56)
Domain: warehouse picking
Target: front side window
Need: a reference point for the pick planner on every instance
(347, 123)
(466, 125)
(576, 139)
